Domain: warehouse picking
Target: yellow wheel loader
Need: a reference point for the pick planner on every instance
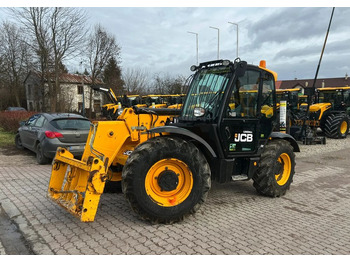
(166, 158)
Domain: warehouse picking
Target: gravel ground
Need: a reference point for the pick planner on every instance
(11, 156)
(330, 146)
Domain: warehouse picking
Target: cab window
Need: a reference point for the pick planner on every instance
(267, 91)
(243, 100)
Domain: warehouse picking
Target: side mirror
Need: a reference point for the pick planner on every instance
(22, 123)
(240, 68)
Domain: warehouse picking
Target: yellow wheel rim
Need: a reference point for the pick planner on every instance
(343, 127)
(169, 182)
(286, 168)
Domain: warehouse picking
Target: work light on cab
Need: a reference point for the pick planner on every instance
(199, 111)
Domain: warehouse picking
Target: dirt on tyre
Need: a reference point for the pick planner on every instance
(337, 126)
(276, 169)
(165, 179)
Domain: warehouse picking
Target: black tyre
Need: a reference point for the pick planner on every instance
(276, 169)
(112, 187)
(18, 141)
(165, 179)
(40, 157)
(337, 126)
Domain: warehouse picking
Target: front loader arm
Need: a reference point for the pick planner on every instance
(77, 185)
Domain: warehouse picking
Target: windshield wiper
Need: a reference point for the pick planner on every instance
(213, 98)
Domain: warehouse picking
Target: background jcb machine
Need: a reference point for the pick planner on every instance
(106, 108)
(331, 111)
(295, 101)
(124, 102)
(174, 101)
(154, 101)
(166, 164)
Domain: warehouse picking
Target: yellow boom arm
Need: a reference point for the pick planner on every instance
(77, 185)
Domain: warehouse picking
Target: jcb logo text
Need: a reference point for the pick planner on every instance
(243, 137)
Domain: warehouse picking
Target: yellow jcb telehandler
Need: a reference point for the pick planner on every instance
(166, 158)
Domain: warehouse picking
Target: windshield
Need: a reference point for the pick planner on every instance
(329, 97)
(71, 124)
(206, 91)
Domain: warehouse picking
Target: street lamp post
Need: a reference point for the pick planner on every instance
(218, 39)
(237, 36)
(196, 43)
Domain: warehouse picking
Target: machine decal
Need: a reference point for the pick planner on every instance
(246, 136)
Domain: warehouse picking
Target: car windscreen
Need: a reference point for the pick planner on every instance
(71, 124)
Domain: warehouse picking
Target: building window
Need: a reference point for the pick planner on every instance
(97, 106)
(29, 88)
(80, 89)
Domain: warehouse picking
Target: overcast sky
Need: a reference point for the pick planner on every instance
(290, 39)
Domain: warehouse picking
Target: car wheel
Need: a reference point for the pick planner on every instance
(18, 142)
(40, 158)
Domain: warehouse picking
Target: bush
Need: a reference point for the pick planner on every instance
(9, 121)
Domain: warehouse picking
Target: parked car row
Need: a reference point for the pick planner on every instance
(42, 133)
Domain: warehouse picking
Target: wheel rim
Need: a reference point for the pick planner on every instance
(169, 182)
(343, 127)
(283, 174)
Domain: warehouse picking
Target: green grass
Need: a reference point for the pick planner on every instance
(6, 138)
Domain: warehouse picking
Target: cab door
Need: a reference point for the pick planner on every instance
(248, 115)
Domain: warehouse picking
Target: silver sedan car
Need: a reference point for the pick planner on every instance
(43, 133)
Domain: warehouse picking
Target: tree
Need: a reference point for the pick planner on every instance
(167, 85)
(56, 34)
(35, 23)
(101, 47)
(112, 77)
(67, 37)
(13, 63)
(136, 81)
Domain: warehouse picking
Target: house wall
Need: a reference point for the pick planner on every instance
(34, 95)
(72, 101)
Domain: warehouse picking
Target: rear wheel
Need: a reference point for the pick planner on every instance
(40, 157)
(276, 169)
(18, 141)
(337, 126)
(165, 179)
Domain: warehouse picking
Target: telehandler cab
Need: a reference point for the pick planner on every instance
(166, 158)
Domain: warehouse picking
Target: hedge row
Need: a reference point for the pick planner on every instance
(9, 121)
